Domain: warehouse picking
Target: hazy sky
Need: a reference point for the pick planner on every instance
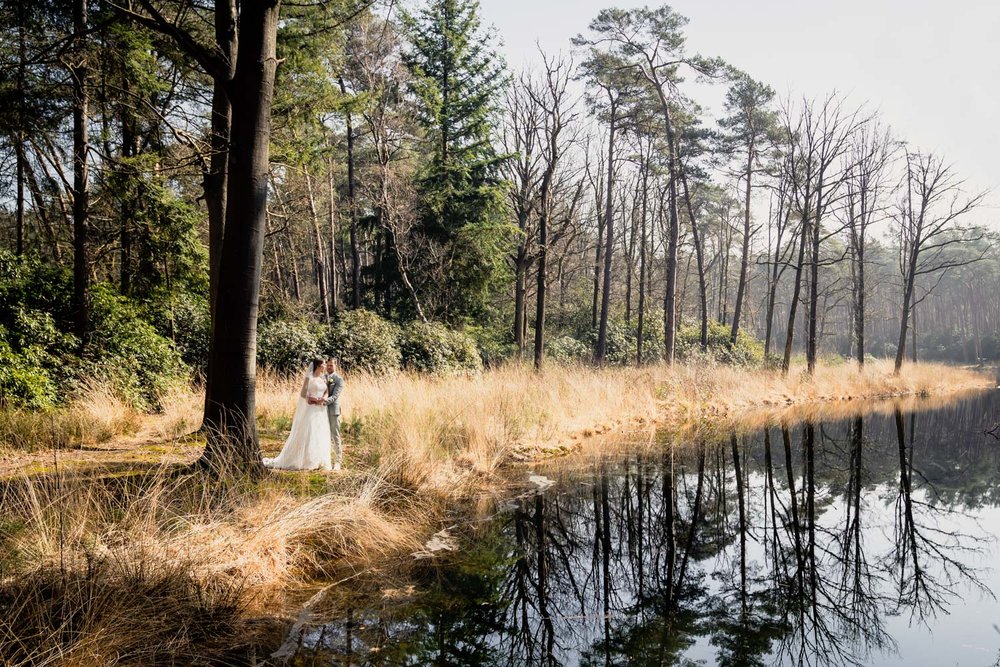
(932, 68)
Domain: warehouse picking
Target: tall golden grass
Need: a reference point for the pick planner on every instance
(158, 567)
(100, 565)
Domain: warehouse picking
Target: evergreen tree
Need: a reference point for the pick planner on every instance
(456, 79)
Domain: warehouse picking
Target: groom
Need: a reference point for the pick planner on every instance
(334, 386)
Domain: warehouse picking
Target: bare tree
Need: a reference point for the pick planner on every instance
(933, 201)
(557, 113)
(868, 183)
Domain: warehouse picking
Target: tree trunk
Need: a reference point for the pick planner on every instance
(609, 243)
(598, 262)
(700, 258)
(640, 326)
(334, 283)
(81, 186)
(352, 208)
(796, 291)
(320, 250)
(215, 179)
(745, 256)
(812, 344)
(19, 152)
(859, 307)
(543, 239)
(230, 412)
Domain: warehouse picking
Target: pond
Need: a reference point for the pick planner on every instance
(863, 541)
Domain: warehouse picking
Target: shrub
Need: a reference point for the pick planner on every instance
(747, 351)
(621, 341)
(24, 382)
(432, 347)
(362, 340)
(567, 349)
(282, 345)
(185, 319)
(127, 354)
(495, 346)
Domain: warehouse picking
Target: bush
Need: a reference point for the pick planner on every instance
(362, 340)
(621, 341)
(747, 351)
(431, 347)
(282, 345)
(567, 349)
(127, 354)
(24, 383)
(495, 346)
(185, 319)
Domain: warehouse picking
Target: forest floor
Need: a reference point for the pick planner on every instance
(124, 521)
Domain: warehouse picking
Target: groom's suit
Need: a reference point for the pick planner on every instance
(334, 387)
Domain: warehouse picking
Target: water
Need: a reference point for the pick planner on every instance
(866, 541)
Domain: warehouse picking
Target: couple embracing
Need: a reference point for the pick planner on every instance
(316, 423)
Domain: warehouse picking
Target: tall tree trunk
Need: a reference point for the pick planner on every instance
(859, 306)
(812, 343)
(745, 255)
(540, 288)
(19, 152)
(215, 179)
(673, 233)
(81, 182)
(641, 324)
(352, 207)
(334, 283)
(598, 263)
(230, 413)
(796, 291)
(699, 252)
(320, 249)
(520, 290)
(609, 243)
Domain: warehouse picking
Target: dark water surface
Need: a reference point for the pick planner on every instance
(868, 541)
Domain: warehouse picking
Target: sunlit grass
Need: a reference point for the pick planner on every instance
(134, 558)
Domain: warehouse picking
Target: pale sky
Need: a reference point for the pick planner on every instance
(932, 68)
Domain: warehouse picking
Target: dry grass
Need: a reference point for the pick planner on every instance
(96, 417)
(99, 565)
(160, 568)
(447, 432)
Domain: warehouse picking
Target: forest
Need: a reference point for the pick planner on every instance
(642, 358)
(373, 181)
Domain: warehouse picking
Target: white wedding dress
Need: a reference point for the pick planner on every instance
(308, 444)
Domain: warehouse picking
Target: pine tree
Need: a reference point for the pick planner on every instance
(456, 79)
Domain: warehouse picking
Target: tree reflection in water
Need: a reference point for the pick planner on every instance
(792, 546)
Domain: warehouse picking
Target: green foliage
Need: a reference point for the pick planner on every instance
(621, 341)
(456, 79)
(283, 344)
(493, 342)
(185, 318)
(432, 347)
(747, 351)
(567, 349)
(363, 340)
(43, 363)
(23, 381)
(129, 356)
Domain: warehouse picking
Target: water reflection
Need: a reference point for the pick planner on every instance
(815, 544)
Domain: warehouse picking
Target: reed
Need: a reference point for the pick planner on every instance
(144, 563)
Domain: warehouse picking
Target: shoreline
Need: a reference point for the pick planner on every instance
(421, 451)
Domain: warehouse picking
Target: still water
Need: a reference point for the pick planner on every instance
(865, 541)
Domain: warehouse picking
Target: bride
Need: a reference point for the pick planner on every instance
(308, 444)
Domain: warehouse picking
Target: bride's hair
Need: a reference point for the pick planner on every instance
(317, 362)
